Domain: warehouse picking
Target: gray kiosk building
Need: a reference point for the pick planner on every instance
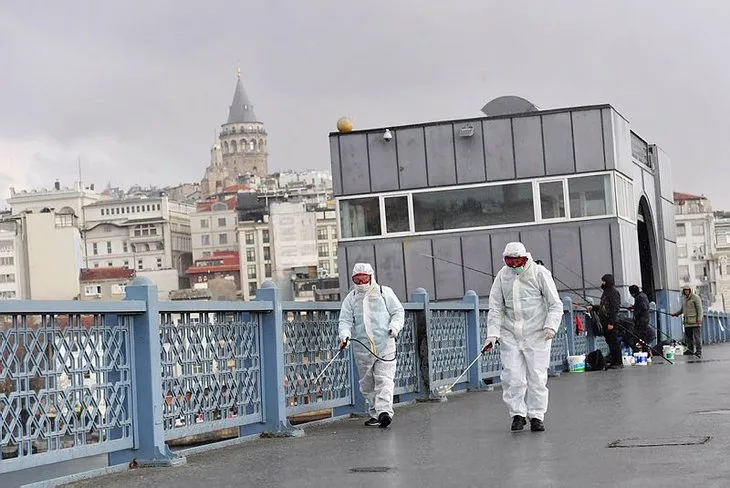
(584, 192)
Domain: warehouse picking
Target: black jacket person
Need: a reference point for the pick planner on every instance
(642, 329)
(608, 313)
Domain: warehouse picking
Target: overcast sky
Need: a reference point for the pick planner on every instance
(136, 88)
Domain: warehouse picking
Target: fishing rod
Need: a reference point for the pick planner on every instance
(594, 286)
(580, 295)
(657, 329)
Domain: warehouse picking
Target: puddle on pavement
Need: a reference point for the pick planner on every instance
(371, 469)
(661, 442)
(721, 411)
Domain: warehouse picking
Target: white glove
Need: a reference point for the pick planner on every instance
(549, 333)
(344, 343)
(489, 344)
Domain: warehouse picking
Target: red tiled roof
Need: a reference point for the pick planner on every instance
(235, 188)
(99, 274)
(212, 269)
(229, 261)
(683, 197)
(208, 204)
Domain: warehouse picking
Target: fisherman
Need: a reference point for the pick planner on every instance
(693, 313)
(642, 329)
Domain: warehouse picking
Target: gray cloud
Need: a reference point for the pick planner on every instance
(137, 88)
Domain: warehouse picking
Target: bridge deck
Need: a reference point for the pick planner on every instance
(466, 441)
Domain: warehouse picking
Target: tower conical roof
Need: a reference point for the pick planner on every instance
(241, 110)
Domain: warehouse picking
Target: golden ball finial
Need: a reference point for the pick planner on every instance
(344, 125)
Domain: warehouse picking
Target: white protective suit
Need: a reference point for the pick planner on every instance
(368, 313)
(521, 305)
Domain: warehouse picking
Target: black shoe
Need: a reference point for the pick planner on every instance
(537, 425)
(698, 355)
(616, 366)
(372, 423)
(518, 423)
(384, 420)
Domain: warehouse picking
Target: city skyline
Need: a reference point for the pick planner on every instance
(136, 91)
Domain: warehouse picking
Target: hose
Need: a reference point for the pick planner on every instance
(371, 352)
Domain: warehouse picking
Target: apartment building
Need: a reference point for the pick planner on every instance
(214, 228)
(697, 256)
(40, 256)
(105, 283)
(145, 234)
(11, 260)
(58, 199)
(326, 219)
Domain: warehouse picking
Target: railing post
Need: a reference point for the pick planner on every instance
(273, 373)
(473, 339)
(149, 434)
(422, 323)
(569, 321)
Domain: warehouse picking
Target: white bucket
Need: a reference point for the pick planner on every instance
(641, 358)
(627, 360)
(668, 352)
(679, 350)
(577, 364)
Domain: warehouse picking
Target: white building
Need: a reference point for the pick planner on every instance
(327, 243)
(145, 234)
(40, 256)
(318, 179)
(722, 240)
(12, 272)
(255, 243)
(70, 201)
(287, 242)
(214, 228)
(105, 283)
(696, 247)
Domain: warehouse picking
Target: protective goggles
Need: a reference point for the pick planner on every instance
(515, 262)
(361, 279)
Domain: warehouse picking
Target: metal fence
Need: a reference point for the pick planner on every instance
(66, 380)
(123, 378)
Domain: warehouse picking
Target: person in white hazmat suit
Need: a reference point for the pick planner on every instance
(524, 315)
(372, 314)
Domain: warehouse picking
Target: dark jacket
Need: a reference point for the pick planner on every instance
(610, 302)
(641, 309)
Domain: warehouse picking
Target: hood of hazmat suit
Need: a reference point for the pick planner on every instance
(521, 305)
(368, 313)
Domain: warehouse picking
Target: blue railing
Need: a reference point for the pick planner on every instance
(124, 378)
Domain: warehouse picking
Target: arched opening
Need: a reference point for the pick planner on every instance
(647, 249)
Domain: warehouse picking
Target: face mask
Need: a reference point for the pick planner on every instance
(362, 288)
(518, 269)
